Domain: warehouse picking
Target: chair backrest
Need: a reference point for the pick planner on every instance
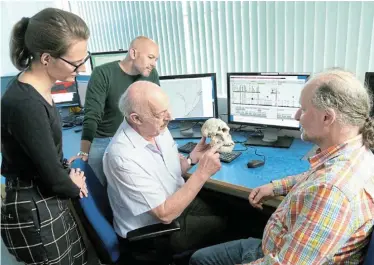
(369, 259)
(96, 215)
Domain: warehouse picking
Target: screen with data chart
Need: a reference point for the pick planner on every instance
(270, 99)
(191, 97)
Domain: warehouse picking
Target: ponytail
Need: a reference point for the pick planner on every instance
(19, 53)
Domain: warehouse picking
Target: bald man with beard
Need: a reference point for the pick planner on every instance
(107, 83)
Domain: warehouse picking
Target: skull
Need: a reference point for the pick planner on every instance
(219, 132)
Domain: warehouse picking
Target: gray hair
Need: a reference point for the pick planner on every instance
(124, 105)
(342, 91)
(129, 104)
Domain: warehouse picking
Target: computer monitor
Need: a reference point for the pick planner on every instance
(269, 100)
(82, 84)
(193, 98)
(369, 81)
(65, 94)
(99, 58)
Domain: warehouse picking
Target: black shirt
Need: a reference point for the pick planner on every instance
(31, 141)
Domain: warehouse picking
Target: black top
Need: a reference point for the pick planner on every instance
(31, 141)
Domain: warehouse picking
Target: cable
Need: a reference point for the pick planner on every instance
(186, 129)
(257, 154)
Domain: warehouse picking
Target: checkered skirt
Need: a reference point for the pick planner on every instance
(38, 229)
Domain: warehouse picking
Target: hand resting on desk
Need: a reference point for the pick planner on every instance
(261, 194)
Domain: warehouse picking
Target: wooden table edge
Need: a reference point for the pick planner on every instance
(236, 190)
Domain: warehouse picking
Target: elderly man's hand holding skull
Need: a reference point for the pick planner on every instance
(219, 132)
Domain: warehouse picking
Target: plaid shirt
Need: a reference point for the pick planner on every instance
(328, 213)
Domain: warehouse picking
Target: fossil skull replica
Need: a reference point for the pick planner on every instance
(219, 132)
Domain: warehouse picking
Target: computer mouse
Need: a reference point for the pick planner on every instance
(255, 163)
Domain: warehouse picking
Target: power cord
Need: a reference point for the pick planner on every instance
(189, 128)
(257, 154)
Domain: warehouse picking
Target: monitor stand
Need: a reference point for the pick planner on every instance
(186, 130)
(270, 139)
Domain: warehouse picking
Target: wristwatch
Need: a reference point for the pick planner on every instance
(189, 160)
(81, 153)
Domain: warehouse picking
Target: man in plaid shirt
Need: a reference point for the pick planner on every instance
(328, 213)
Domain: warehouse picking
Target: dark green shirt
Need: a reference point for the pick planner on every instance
(107, 83)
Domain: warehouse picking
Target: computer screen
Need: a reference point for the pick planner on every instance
(82, 84)
(65, 94)
(99, 58)
(192, 97)
(369, 81)
(265, 99)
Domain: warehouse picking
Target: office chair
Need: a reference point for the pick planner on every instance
(96, 216)
(369, 259)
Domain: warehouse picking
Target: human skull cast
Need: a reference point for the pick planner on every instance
(219, 132)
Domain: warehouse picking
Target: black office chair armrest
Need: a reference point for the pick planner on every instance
(151, 231)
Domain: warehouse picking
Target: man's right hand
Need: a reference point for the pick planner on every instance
(84, 148)
(261, 194)
(83, 157)
(209, 163)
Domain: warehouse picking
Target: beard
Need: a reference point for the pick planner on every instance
(303, 136)
(307, 138)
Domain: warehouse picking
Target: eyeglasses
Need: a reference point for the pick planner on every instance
(76, 67)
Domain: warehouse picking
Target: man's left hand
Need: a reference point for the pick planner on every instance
(199, 150)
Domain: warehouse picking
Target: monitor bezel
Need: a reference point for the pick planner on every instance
(258, 74)
(82, 79)
(215, 96)
(103, 53)
(369, 75)
(67, 104)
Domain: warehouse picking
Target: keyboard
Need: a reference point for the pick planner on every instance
(224, 157)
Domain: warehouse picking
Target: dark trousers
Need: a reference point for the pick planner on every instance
(201, 225)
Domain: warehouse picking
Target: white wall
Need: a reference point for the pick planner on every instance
(11, 13)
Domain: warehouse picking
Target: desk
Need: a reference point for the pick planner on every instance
(238, 180)
(235, 178)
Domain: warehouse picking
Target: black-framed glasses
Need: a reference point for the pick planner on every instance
(79, 65)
